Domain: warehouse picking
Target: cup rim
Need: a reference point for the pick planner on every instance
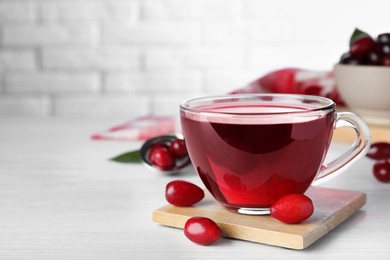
(328, 104)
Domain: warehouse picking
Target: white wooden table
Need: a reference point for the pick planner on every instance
(60, 198)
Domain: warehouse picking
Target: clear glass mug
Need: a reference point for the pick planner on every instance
(251, 149)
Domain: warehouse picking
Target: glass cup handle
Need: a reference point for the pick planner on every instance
(358, 149)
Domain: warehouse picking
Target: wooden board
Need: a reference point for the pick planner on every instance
(378, 134)
(331, 207)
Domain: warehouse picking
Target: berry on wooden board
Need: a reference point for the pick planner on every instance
(201, 230)
(292, 208)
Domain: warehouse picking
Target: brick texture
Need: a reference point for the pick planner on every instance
(81, 10)
(204, 57)
(18, 11)
(151, 33)
(37, 106)
(107, 58)
(17, 59)
(221, 81)
(154, 83)
(101, 105)
(49, 34)
(168, 104)
(197, 10)
(97, 58)
(51, 83)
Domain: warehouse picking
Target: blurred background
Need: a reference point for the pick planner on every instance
(127, 58)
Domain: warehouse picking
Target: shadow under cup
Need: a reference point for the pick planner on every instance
(250, 150)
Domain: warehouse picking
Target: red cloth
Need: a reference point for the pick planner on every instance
(288, 80)
(295, 81)
(140, 128)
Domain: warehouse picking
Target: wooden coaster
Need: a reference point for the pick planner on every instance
(331, 207)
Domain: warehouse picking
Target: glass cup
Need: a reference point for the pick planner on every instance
(251, 149)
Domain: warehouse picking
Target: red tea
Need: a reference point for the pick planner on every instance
(250, 155)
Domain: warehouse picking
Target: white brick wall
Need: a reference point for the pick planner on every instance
(42, 35)
(150, 33)
(97, 58)
(101, 105)
(204, 57)
(17, 59)
(25, 105)
(18, 11)
(65, 10)
(107, 58)
(51, 83)
(199, 10)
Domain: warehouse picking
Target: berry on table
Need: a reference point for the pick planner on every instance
(381, 170)
(182, 193)
(379, 151)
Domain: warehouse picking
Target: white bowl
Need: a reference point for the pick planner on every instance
(365, 90)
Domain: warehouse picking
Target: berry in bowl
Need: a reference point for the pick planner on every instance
(363, 77)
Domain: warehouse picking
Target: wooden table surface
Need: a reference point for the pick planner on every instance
(61, 198)
(378, 134)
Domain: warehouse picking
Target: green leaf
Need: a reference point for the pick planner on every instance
(356, 34)
(129, 157)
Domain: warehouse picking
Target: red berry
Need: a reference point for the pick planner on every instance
(292, 208)
(372, 58)
(202, 230)
(346, 58)
(383, 38)
(386, 61)
(382, 48)
(379, 151)
(178, 148)
(361, 46)
(155, 146)
(183, 194)
(385, 49)
(381, 170)
(161, 157)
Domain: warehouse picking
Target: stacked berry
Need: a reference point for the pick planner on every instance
(365, 50)
(380, 152)
(166, 155)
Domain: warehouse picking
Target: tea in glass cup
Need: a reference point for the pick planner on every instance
(250, 150)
